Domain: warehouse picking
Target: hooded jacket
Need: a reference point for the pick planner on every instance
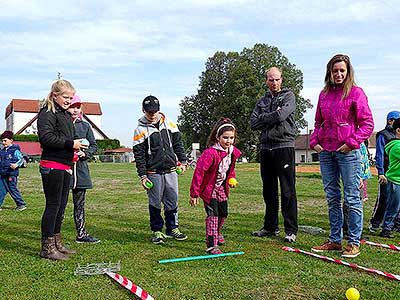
(205, 174)
(381, 159)
(157, 148)
(81, 175)
(8, 156)
(392, 150)
(342, 121)
(274, 116)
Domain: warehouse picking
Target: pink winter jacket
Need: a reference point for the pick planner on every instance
(337, 122)
(205, 174)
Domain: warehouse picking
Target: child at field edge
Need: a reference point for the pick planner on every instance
(211, 180)
(392, 149)
(10, 161)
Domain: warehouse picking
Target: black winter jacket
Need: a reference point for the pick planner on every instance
(277, 125)
(157, 149)
(56, 135)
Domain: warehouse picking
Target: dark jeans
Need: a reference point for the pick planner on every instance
(279, 164)
(56, 185)
(380, 206)
(78, 197)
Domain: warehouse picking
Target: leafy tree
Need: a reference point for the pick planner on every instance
(106, 144)
(230, 86)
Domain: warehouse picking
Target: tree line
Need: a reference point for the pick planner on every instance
(229, 86)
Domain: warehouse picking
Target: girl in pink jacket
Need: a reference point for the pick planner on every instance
(212, 178)
(343, 121)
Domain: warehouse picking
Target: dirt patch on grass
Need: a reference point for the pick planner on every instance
(315, 169)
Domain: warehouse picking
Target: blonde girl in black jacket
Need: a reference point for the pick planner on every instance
(56, 136)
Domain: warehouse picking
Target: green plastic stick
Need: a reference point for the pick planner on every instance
(165, 261)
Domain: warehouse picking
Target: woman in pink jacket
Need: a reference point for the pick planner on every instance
(214, 174)
(343, 120)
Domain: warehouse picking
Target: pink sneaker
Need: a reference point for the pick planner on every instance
(213, 250)
(221, 240)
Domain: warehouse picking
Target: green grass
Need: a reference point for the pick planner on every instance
(117, 213)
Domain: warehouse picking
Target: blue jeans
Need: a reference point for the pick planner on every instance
(336, 165)
(8, 184)
(392, 205)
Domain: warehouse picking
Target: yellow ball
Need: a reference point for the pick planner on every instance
(233, 182)
(352, 294)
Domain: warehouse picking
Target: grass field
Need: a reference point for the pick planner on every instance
(117, 213)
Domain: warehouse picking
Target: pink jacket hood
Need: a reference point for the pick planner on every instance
(342, 121)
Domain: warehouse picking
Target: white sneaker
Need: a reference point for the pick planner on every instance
(290, 238)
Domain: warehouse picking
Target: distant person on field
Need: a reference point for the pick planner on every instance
(81, 180)
(10, 160)
(158, 148)
(56, 137)
(274, 116)
(343, 120)
(211, 180)
(392, 150)
(365, 170)
(382, 164)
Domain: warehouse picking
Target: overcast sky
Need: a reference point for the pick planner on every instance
(118, 52)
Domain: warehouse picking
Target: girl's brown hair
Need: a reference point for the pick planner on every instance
(221, 126)
(57, 88)
(348, 81)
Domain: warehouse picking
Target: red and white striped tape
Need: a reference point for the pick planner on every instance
(342, 262)
(129, 285)
(393, 247)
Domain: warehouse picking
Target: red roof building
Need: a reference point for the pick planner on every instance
(21, 116)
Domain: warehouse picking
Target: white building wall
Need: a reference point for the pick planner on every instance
(17, 120)
(303, 156)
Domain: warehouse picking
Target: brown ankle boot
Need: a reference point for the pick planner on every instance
(50, 251)
(60, 247)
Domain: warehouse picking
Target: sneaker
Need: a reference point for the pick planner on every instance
(290, 238)
(213, 250)
(351, 251)
(263, 232)
(395, 229)
(372, 228)
(221, 240)
(87, 239)
(386, 234)
(177, 235)
(20, 208)
(327, 246)
(158, 238)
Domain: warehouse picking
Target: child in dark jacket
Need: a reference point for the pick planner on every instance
(10, 160)
(212, 178)
(56, 136)
(392, 150)
(81, 180)
(157, 146)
